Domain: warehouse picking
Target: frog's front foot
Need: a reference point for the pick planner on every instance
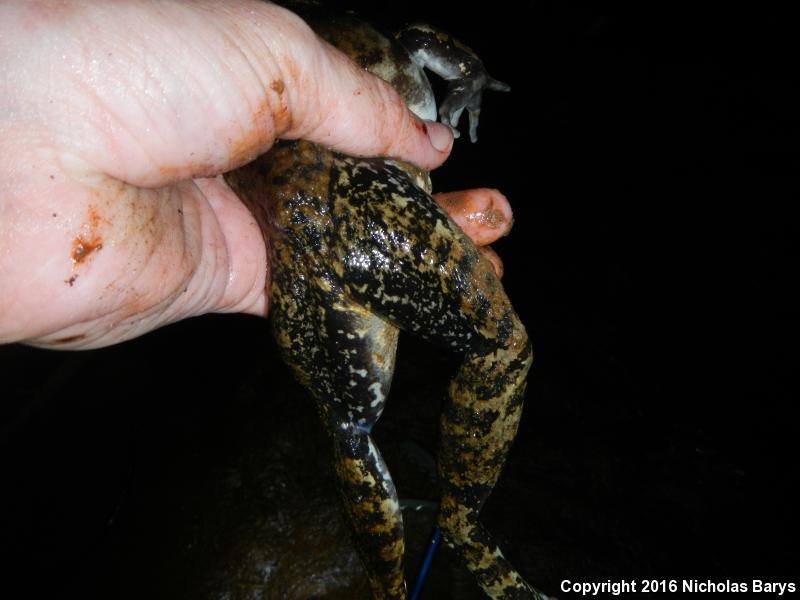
(447, 57)
(467, 93)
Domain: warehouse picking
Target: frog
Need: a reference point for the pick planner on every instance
(359, 250)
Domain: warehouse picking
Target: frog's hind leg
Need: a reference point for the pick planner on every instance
(366, 485)
(422, 273)
(345, 356)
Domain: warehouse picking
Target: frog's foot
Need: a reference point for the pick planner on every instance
(438, 51)
(467, 93)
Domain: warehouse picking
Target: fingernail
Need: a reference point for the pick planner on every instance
(440, 135)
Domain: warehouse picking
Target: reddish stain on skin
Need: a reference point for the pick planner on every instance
(93, 217)
(69, 339)
(246, 148)
(269, 119)
(83, 247)
(188, 171)
(87, 242)
(291, 68)
(267, 122)
(169, 170)
(278, 114)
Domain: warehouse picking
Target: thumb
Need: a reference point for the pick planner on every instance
(348, 109)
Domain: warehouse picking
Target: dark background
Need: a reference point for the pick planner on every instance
(650, 158)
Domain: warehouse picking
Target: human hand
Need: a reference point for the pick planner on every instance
(116, 121)
(483, 214)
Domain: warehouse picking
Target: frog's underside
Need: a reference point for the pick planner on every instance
(359, 250)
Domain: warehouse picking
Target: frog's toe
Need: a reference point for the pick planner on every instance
(450, 116)
(474, 110)
(498, 86)
(450, 113)
(468, 94)
(473, 125)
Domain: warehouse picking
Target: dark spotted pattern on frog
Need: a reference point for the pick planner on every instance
(360, 250)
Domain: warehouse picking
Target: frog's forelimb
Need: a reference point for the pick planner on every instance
(432, 48)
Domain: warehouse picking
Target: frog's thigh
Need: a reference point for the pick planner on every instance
(431, 280)
(349, 371)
